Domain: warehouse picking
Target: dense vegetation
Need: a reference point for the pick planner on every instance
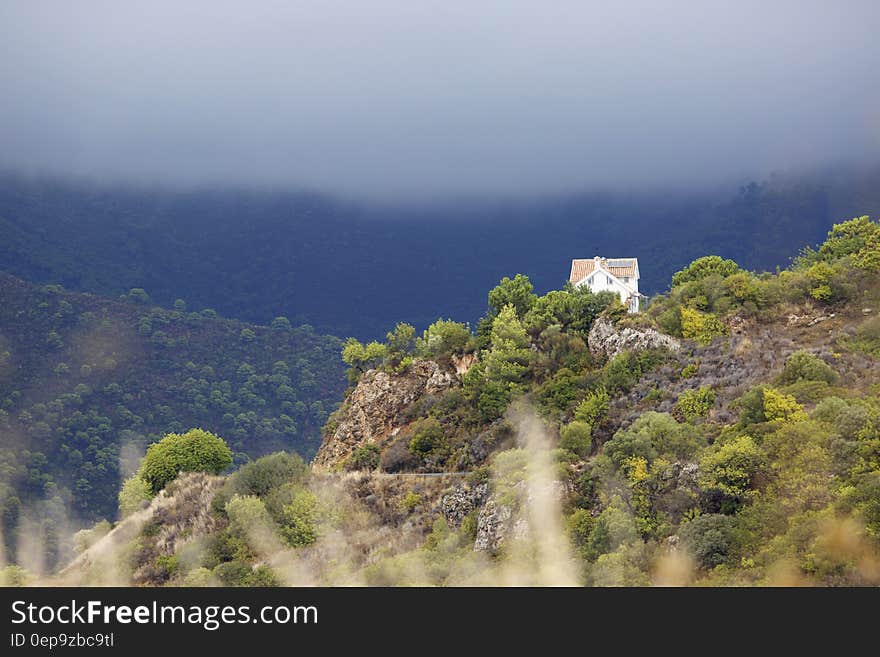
(751, 455)
(86, 384)
(350, 269)
(776, 482)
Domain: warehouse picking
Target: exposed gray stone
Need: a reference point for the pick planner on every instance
(605, 339)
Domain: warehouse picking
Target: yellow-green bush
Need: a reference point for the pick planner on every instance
(699, 326)
(779, 406)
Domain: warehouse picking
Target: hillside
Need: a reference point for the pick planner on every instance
(726, 436)
(356, 268)
(86, 383)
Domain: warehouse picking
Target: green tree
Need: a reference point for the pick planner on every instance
(576, 437)
(651, 435)
(516, 292)
(138, 295)
(362, 357)
(196, 450)
(573, 309)
(509, 356)
(710, 538)
(250, 522)
(445, 337)
(858, 238)
(399, 342)
(732, 470)
(704, 267)
(134, 492)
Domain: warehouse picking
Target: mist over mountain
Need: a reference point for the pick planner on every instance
(357, 268)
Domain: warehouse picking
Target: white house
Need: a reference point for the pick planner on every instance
(620, 275)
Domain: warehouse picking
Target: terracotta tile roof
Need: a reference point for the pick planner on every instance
(620, 267)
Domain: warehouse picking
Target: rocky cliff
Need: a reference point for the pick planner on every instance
(605, 339)
(373, 412)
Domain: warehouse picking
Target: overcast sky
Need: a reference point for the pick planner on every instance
(391, 98)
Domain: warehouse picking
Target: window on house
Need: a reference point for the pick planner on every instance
(608, 278)
(626, 279)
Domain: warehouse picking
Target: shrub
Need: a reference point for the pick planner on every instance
(751, 406)
(262, 476)
(13, 575)
(280, 324)
(397, 457)
(365, 457)
(623, 371)
(743, 287)
(195, 451)
(669, 320)
(867, 337)
(133, 494)
(577, 437)
(249, 521)
(240, 573)
(732, 470)
(561, 390)
(138, 295)
(594, 407)
(699, 326)
(613, 528)
(579, 526)
(86, 538)
(299, 524)
(427, 436)
(779, 406)
(410, 501)
(806, 392)
(652, 434)
(200, 577)
(693, 404)
(710, 539)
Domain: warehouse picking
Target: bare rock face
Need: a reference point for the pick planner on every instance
(373, 411)
(494, 524)
(461, 501)
(606, 339)
(463, 363)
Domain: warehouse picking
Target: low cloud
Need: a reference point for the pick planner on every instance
(390, 98)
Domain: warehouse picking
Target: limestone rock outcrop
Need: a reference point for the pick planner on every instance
(373, 412)
(605, 339)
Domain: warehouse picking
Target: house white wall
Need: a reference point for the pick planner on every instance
(602, 281)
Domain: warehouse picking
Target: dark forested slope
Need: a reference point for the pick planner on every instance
(86, 383)
(355, 269)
